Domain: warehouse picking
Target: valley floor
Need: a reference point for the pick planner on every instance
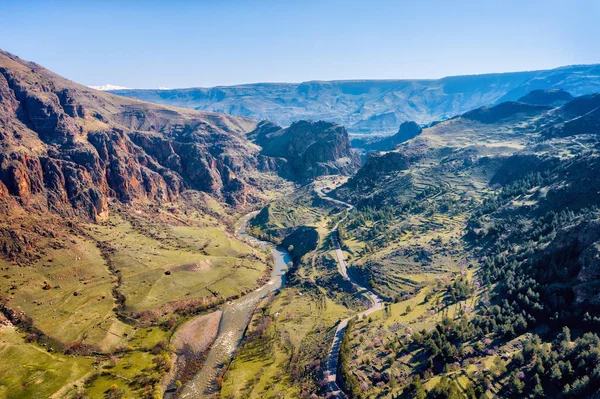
(104, 304)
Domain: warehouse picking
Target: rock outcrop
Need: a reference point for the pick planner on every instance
(580, 244)
(310, 149)
(301, 241)
(407, 131)
(378, 166)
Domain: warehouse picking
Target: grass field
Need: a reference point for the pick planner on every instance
(30, 371)
(68, 294)
(296, 319)
(178, 259)
(162, 264)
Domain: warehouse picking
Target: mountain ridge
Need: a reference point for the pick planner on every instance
(374, 106)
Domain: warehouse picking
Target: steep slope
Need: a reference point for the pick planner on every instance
(310, 149)
(482, 234)
(69, 148)
(579, 116)
(116, 225)
(374, 106)
(503, 111)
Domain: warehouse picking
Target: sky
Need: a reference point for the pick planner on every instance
(151, 44)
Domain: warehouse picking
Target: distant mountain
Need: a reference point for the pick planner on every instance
(546, 97)
(374, 106)
(108, 87)
(579, 116)
(502, 111)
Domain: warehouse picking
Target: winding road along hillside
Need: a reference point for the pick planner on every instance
(376, 304)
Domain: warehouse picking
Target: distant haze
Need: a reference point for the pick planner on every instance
(155, 44)
(374, 106)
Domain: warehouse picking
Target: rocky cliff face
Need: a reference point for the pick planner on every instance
(581, 240)
(69, 149)
(310, 149)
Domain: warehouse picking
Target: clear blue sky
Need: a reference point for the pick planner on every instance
(219, 42)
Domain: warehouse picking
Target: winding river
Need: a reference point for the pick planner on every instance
(235, 319)
(237, 314)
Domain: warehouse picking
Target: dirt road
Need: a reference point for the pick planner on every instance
(376, 304)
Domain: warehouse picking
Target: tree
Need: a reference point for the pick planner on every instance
(114, 392)
(416, 389)
(515, 383)
(538, 390)
(446, 389)
(566, 334)
(518, 359)
(498, 367)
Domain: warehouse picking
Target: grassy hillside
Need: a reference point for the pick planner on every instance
(481, 234)
(483, 244)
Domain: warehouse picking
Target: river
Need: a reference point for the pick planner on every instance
(235, 319)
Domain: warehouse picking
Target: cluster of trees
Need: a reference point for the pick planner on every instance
(307, 363)
(505, 320)
(459, 289)
(258, 232)
(535, 277)
(352, 385)
(562, 368)
(531, 269)
(445, 344)
(446, 388)
(514, 189)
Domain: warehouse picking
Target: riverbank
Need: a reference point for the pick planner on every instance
(235, 318)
